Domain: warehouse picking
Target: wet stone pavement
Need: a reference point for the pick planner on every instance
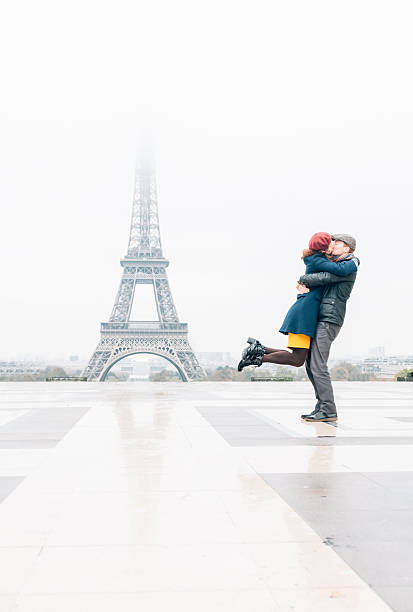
(205, 496)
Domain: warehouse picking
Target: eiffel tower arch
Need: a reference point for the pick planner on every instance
(144, 263)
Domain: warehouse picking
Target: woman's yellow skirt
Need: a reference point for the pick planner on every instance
(298, 341)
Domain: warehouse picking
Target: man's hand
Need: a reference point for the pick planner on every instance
(302, 288)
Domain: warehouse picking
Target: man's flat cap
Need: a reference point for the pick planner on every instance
(349, 240)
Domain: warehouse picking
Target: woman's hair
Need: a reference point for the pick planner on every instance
(307, 253)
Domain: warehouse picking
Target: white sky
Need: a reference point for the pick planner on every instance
(272, 120)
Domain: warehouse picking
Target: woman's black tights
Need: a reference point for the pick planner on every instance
(296, 358)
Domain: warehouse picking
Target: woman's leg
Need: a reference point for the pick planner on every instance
(296, 358)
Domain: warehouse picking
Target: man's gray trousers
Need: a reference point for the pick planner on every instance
(316, 365)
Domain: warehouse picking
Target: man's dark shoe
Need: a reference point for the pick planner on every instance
(248, 361)
(320, 416)
(316, 409)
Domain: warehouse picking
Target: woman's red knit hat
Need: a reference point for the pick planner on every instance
(320, 241)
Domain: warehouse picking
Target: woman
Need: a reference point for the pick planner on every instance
(300, 322)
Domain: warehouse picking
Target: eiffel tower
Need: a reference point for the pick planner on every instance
(144, 263)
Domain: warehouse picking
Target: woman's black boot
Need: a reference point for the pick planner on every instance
(255, 349)
(248, 361)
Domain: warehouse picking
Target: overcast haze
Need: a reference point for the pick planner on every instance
(271, 121)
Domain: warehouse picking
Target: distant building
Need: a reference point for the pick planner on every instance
(158, 365)
(128, 369)
(13, 368)
(386, 367)
(214, 359)
(73, 357)
(136, 369)
(377, 352)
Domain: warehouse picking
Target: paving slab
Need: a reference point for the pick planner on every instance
(207, 496)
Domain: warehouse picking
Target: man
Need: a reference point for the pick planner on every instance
(330, 320)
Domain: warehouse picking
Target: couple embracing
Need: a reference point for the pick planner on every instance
(315, 319)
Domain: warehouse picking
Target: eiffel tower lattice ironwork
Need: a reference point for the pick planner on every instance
(144, 264)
